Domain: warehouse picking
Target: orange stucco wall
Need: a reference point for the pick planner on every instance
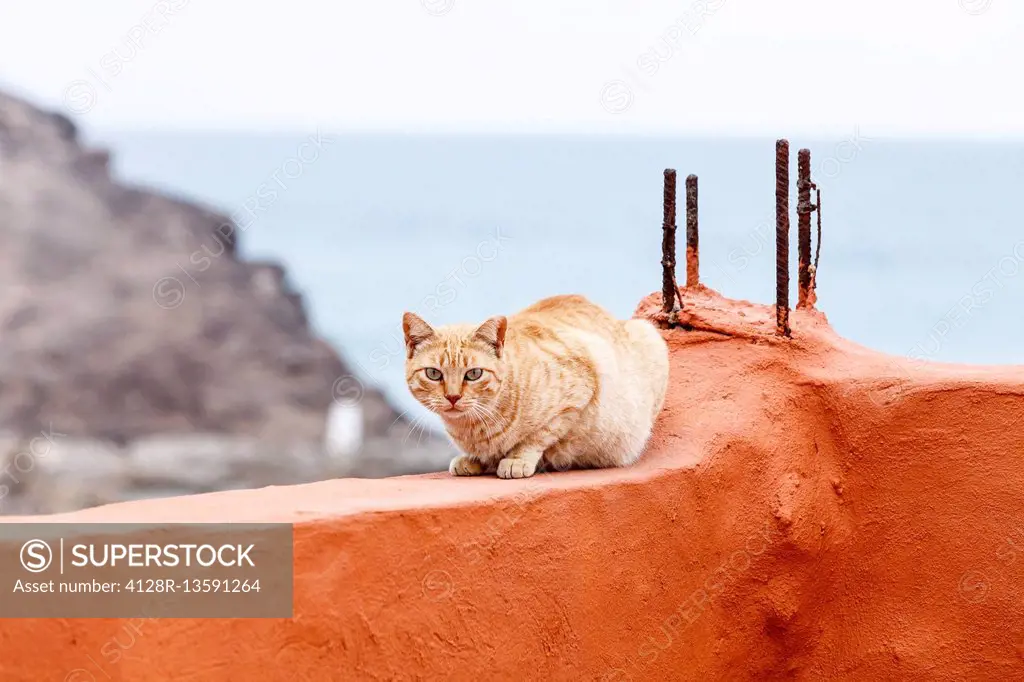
(807, 509)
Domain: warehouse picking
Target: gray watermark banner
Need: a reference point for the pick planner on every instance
(108, 570)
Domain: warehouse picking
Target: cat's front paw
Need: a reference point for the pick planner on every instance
(465, 466)
(516, 468)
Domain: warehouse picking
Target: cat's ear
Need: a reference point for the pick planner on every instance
(492, 332)
(416, 332)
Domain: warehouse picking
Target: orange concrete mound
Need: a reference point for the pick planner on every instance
(807, 509)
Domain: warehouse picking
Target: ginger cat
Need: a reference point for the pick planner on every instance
(562, 381)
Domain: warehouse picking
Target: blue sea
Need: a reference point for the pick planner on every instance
(922, 248)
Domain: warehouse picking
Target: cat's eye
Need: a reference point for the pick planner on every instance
(474, 374)
(433, 373)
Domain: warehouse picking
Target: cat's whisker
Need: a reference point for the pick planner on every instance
(475, 410)
(484, 407)
(499, 420)
(487, 422)
(423, 432)
(490, 418)
(397, 419)
(418, 423)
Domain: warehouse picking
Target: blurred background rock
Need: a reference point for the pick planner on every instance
(125, 375)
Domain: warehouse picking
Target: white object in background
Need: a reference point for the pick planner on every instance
(344, 434)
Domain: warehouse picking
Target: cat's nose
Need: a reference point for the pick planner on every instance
(453, 399)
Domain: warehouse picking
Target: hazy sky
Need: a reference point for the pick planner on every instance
(728, 66)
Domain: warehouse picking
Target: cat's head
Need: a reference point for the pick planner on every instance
(455, 371)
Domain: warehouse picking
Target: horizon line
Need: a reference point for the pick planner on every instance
(288, 130)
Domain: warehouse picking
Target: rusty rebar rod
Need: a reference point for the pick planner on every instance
(817, 244)
(692, 239)
(812, 295)
(669, 293)
(804, 208)
(782, 237)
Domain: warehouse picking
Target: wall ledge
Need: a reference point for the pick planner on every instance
(795, 495)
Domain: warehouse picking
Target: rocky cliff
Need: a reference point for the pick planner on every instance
(105, 335)
(112, 332)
